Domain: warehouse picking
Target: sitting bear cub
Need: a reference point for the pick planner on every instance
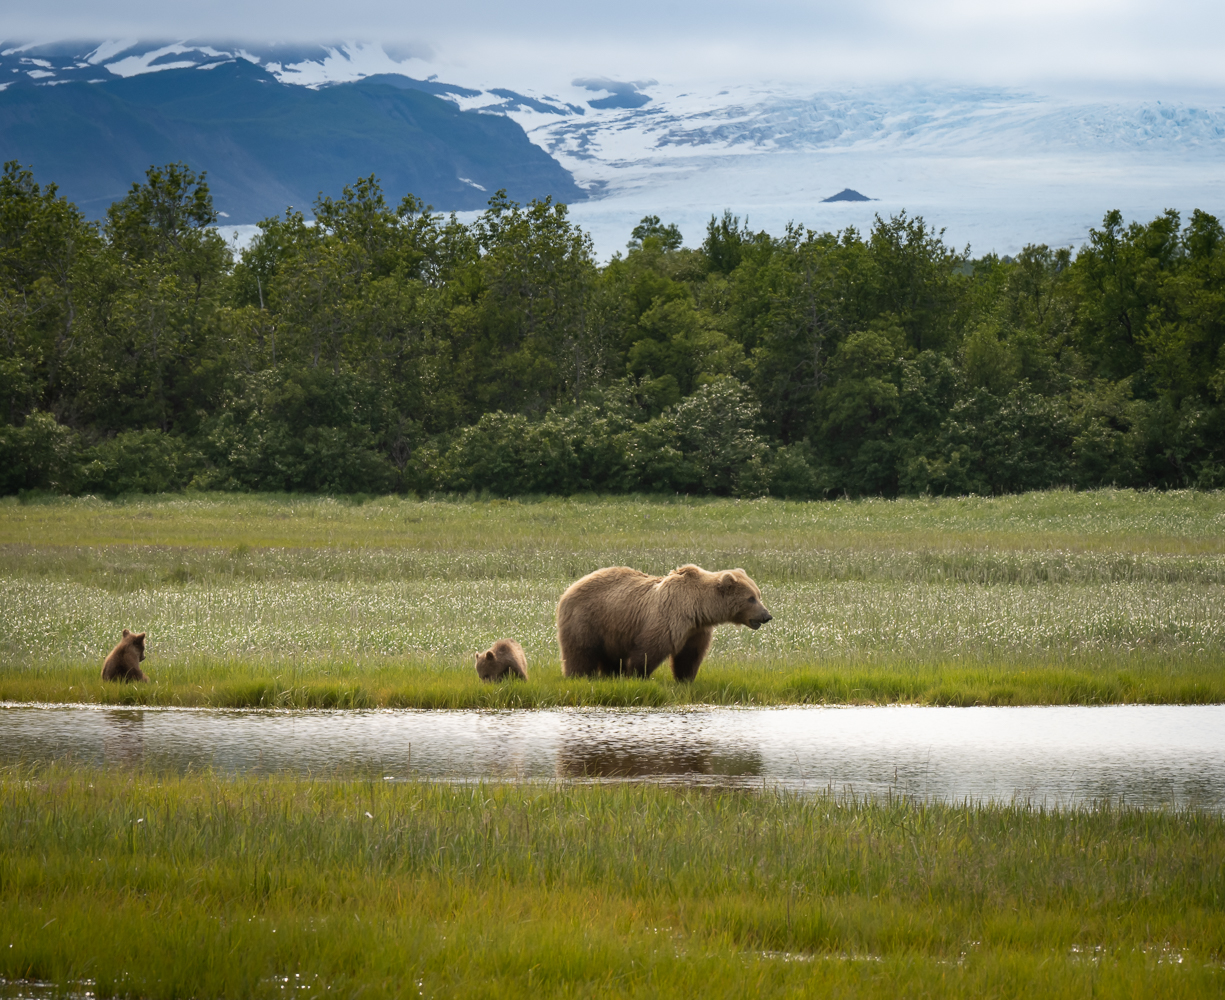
(504, 659)
(618, 620)
(123, 663)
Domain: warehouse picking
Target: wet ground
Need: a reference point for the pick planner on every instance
(1151, 756)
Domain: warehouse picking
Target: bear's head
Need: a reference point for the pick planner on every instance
(136, 640)
(743, 599)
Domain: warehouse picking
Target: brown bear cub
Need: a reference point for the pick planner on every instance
(124, 662)
(620, 621)
(504, 659)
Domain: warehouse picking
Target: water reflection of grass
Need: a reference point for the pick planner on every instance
(1055, 597)
(161, 886)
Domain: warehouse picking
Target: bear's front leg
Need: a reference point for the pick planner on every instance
(686, 661)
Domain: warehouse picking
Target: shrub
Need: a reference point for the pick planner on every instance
(42, 454)
(147, 461)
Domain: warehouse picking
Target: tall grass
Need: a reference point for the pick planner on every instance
(1121, 591)
(1176, 521)
(160, 885)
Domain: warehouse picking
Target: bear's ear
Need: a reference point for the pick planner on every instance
(126, 633)
(139, 637)
(687, 570)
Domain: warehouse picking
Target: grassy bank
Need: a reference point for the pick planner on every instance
(163, 886)
(1044, 598)
(390, 682)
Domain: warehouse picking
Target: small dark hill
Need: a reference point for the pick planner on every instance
(266, 144)
(847, 194)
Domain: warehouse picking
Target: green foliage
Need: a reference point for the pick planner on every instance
(386, 347)
(309, 432)
(39, 455)
(706, 443)
(147, 461)
(650, 228)
(45, 244)
(166, 214)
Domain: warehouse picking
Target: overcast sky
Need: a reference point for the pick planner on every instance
(1124, 44)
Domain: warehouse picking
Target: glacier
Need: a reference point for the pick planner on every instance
(995, 168)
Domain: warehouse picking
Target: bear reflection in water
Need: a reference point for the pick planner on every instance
(123, 738)
(582, 760)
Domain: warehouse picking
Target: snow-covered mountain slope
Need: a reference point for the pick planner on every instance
(998, 167)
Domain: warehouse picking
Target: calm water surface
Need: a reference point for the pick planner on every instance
(1147, 755)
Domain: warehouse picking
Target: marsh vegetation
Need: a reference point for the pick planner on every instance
(1063, 597)
(161, 886)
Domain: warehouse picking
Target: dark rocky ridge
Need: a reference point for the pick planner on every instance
(266, 144)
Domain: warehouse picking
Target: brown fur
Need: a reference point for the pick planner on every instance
(620, 621)
(504, 659)
(123, 663)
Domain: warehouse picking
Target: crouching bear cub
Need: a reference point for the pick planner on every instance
(504, 659)
(620, 621)
(123, 663)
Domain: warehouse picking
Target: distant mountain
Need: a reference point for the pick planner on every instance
(265, 144)
(846, 194)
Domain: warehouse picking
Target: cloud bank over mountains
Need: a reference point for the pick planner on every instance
(823, 43)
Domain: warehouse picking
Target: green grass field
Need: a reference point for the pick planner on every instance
(195, 886)
(1053, 598)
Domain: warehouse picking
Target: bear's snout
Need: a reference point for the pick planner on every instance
(758, 621)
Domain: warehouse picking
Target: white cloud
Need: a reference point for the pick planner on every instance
(831, 41)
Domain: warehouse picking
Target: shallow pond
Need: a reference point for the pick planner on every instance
(1146, 755)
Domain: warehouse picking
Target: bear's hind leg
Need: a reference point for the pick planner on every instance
(638, 663)
(581, 663)
(688, 658)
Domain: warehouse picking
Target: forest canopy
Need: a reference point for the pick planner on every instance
(383, 347)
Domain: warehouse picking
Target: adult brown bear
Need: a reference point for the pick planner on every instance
(123, 663)
(505, 659)
(618, 620)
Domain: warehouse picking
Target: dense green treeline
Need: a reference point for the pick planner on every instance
(387, 348)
